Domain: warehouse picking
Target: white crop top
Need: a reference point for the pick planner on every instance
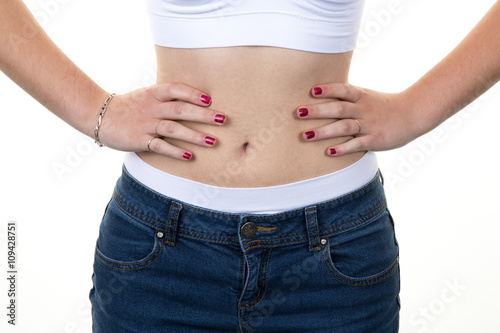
(325, 26)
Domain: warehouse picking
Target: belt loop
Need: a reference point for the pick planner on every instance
(173, 216)
(312, 228)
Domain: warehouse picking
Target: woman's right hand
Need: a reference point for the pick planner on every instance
(133, 119)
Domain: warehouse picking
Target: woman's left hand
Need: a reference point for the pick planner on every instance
(376, 121)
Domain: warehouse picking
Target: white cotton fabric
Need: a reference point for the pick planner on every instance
(324, 26)
(255, 200)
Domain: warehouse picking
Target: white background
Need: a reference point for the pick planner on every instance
(442, 188)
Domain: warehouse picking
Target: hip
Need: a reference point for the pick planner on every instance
(330, 264)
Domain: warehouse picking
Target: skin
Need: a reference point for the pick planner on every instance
(257, 89)
(392, 120)
(261, 142)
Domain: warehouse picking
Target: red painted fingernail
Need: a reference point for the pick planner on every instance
(317, 91)
(310, 134)
(205, 99)
(303, 112)
(187, 156)
(209, 140)
(333, 151)
(220, 118)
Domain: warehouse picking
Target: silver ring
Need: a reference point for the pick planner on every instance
(149, 142)
(359, 126)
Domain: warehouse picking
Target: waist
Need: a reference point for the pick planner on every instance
(259, 89)
(255, 200)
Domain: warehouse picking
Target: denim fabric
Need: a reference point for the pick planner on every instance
(162, 265)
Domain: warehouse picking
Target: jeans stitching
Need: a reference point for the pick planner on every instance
(382, 205)
(170, 200)
(118, 198)
(265, 284)
(260, 278)
(276, 245)
(274, 239)
(381, 210)
(309, 228)
(202, 233)
(175, 221)
(242, 276)
(246, 321)
(98, 256)
(315, 228)
(210, 240)
(168, 224)
(308, 222)
(388, 272)
(321, 204)
(249, 275)
(258, 217)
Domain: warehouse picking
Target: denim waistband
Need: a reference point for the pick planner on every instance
(174, 218)
(254, 200)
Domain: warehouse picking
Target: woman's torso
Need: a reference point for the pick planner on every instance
(259, 89)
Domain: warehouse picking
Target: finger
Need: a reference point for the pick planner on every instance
(328, 110)
(343, 91)
(352, 146)
(174, 130)
(157, 145)
(169, 91)
(341, 128)
(190, 112)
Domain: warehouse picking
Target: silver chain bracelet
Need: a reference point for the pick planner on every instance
(101, 115)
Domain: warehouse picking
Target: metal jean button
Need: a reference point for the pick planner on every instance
(248, 230)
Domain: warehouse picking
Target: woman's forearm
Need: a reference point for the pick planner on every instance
(380, 121)
(462, 76)
(30, 58)
(135, 121)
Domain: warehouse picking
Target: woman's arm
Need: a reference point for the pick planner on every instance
(30, 58)
(389, 121)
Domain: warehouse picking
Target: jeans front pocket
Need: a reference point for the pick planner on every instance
(364, 255)
(126, 243)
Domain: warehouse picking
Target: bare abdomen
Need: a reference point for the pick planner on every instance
(259, 89)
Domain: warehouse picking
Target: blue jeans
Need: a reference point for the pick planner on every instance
(166, 266)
